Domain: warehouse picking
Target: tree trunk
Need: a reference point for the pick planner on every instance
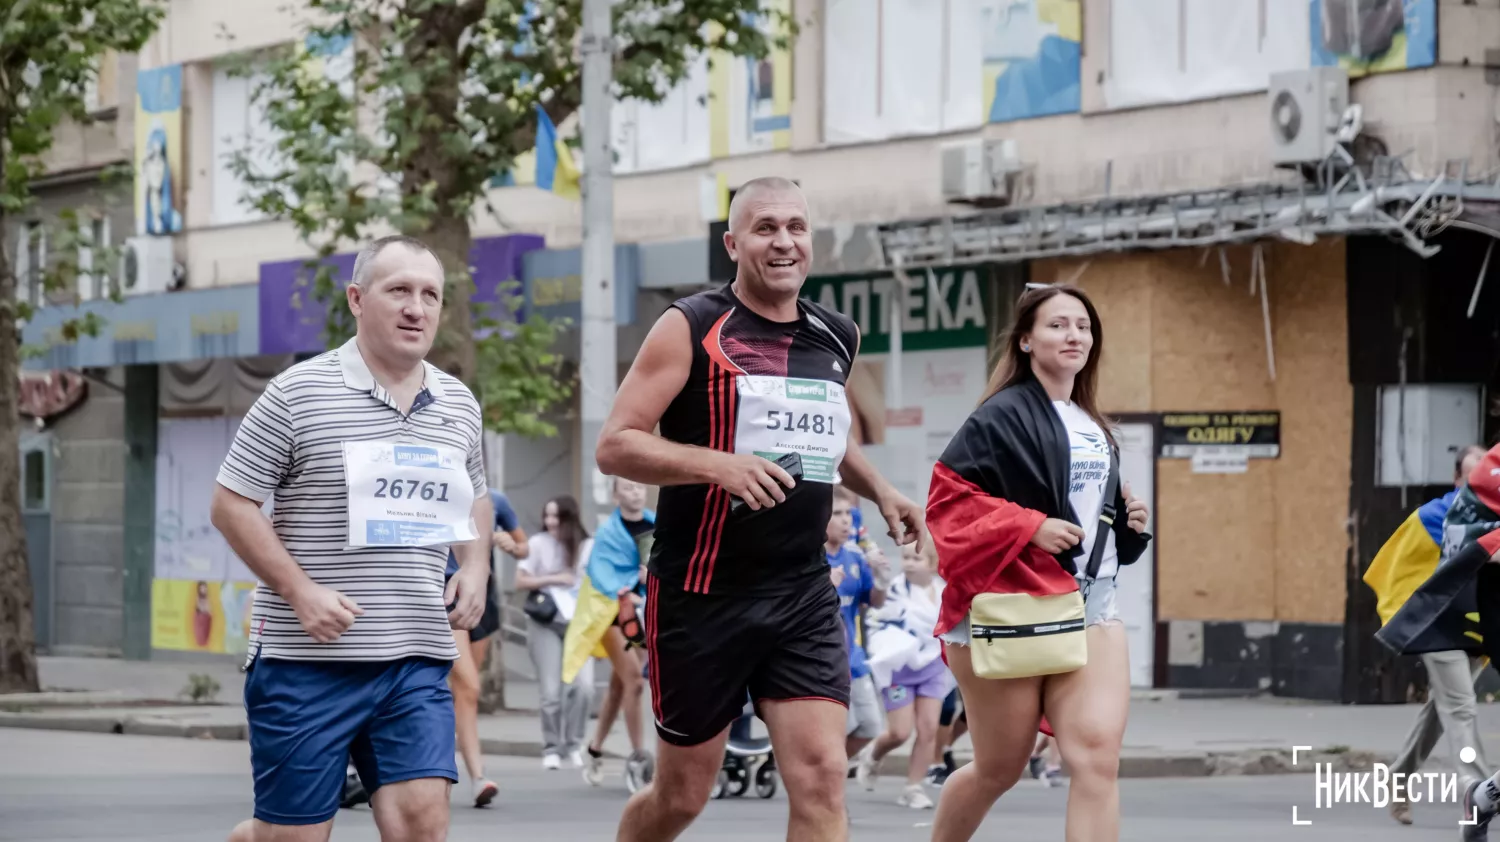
(17, 637)
(453, 351)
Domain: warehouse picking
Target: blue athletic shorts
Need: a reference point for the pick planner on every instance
(394, 719)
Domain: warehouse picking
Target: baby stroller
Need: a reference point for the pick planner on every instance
(746, 757)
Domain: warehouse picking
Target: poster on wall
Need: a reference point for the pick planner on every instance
(750, 100)
(905, 419)
(1032, 51)
(158, 150)
(202, 593)
(201, 616)
(1373, 36)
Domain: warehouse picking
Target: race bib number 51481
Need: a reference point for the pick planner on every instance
(781, 415)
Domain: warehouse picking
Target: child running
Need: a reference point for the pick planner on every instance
(914, 699)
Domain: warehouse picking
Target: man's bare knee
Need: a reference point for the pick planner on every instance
(412, 811)
(817, 783)
(243, 832)
(681, 804)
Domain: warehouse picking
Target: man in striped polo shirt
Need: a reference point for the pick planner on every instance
(373, 457)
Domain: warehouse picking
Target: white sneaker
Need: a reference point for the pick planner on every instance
(593, 770)
(864, 768)
(915, 797)
(577, 758)
(551, 762)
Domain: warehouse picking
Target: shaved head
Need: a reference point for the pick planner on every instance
(759, 189)
(770, 241)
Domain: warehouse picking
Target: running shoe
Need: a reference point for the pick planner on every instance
(1035, 766)
(864, 770)
(640, 767)
(1480, 830)
(915, 797)
(593, 769)
(1401, 811)
(936, 773)
(484, 792)
(577, 758)
(551, 762)
(1052, 776)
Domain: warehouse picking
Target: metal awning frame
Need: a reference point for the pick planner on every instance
(1389, 202)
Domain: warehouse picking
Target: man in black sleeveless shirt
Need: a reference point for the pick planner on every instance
(739, 600)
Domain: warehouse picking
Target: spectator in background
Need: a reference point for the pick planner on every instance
(855, 582)
(550, 575)
(914, 699)
(1408, 557)
(473, 647)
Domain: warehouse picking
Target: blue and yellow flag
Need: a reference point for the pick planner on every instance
(549, 165)
(1405, 561)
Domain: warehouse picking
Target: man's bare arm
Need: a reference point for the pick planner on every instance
(860, 476)
(902, 517)
(476, 554)
(249, 533)
(628, 446)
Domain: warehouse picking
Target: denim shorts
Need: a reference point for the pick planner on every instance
(308, 719)
(1101, 607)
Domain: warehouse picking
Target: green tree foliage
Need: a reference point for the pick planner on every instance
(439, 97)
(50, 51)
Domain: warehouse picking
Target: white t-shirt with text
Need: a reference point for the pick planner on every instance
(1086, 481)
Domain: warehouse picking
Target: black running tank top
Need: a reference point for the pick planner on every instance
(763, 387)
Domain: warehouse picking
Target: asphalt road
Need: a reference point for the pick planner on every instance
(106, 788)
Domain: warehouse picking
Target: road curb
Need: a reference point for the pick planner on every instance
(1139, 764)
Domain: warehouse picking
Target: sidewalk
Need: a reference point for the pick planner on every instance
(1167, 735)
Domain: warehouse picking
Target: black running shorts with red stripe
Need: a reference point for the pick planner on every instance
(708, 651)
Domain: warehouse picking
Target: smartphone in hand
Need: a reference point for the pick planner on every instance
(789, 462)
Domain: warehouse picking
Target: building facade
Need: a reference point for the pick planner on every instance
(1276, 328)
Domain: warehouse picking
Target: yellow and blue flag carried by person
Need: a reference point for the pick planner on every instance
(549, 165)
(1458, 606)
(1408, 557)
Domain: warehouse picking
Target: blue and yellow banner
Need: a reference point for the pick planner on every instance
(750, 100)
(158, 150)
(1374, 37)
(1032, 57)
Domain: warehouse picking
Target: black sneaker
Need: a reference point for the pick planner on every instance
(1480, 830)
(1036, 766)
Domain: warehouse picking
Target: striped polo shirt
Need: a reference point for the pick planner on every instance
(291, 445)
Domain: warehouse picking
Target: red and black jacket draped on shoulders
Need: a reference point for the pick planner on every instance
(1005, 471)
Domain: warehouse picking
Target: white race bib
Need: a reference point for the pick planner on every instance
(781, 415)
(407, 495)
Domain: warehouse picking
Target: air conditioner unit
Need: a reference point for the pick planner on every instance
(147, 266)
(977, 172)
(1306, 108)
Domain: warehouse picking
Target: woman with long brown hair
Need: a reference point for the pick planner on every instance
(550, 575)
(1022, 509)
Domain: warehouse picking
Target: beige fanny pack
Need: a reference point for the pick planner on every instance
(1017, 635)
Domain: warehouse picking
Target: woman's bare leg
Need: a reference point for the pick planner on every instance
(1003, 718)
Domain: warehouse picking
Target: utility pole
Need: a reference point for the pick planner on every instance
(596, 374)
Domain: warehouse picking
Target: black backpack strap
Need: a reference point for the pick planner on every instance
(1106, 518)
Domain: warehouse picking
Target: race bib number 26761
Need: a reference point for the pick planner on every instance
(407, 495)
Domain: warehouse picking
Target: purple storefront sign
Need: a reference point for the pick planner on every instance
(291, 322)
